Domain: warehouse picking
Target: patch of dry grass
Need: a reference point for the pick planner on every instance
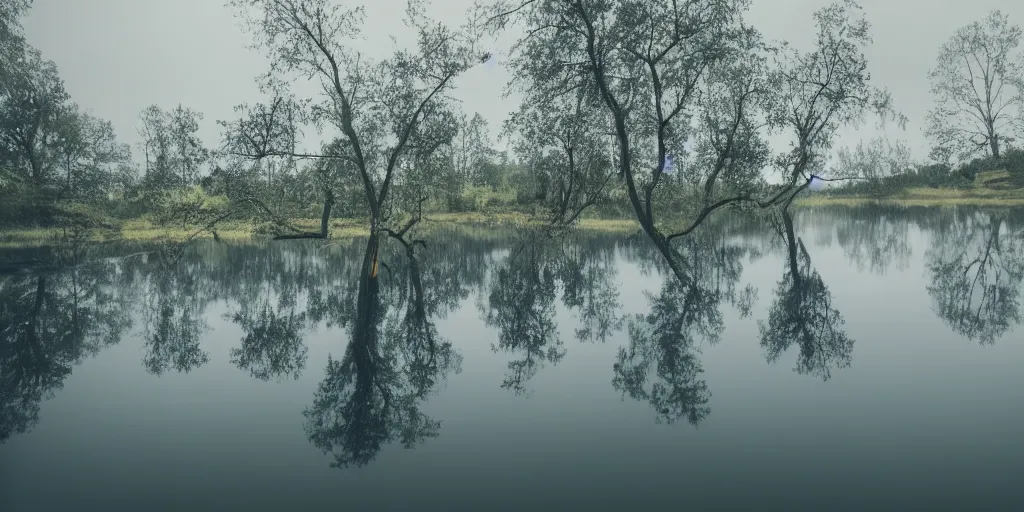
(140, 230)
(990, 188)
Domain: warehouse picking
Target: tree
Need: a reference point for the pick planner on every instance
(668, 74)
(567, 144)
(189, 152)
(156, 147)
(263, 144)
(874, 161)
(11, 39)
(643, 59)
(172, 152)
(470, 149)
(379, 108)
(978, 84)
(819, 92)
(33, 101)
(49, 148)
(88, 155)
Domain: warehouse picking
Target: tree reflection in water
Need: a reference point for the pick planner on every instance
(371, 396)
(976, 265)
(802, 313)
(661, 364)
(395, 358)
(522, 291)
(50, 321)
(173, 315)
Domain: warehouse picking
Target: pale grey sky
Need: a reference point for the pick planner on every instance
(118, 56)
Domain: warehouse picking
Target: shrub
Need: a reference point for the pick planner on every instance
(1013, 161)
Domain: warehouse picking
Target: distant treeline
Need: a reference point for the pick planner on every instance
(936, 175)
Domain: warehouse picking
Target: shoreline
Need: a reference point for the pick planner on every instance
(144, 231)
(923, 196)
(934, 202)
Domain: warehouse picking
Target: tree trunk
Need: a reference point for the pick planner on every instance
(993, 142)
(37, 168)
(794, 267)
(68, 179)
(325, 216)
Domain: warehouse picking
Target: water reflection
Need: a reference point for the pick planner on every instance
(393, 361)
(802, 314)
(49, 323)
(874, 239)
(173, 316)
(390, 356)
(521, 306)
(273, 346)
(976, 265)
(524, 286)
(661, 363)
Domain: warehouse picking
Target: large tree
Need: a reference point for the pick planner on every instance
(672, 76)
(90, 160)
(389, 113)
(172, 150)
(645, 61)
(821, 90)
(32, 98)
(566, 143)
(11, 38)
(49, 148)
(978, 84)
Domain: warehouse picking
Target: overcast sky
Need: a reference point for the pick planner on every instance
(119, 56)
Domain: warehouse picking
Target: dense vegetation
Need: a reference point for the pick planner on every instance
(1003, 173)
(666, 125)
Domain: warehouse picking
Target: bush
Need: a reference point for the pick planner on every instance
(23, 205)
(1013, 161)
(189, 206)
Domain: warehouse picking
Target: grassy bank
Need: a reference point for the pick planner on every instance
(145, 231)
(920, 197)
(990, 188)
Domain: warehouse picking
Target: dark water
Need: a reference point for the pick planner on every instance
(875, 363)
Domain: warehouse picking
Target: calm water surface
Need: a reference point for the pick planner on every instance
(872, 362)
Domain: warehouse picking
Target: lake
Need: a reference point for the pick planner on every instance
(872, 361)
